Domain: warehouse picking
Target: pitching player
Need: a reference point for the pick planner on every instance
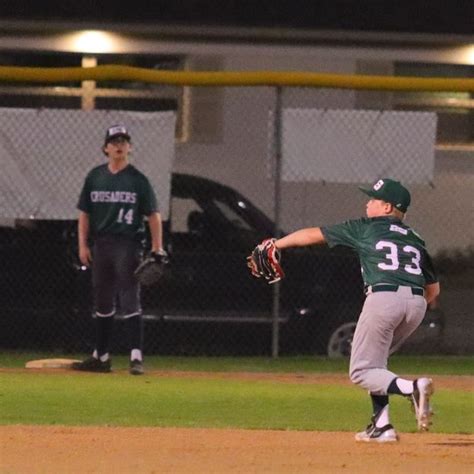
(113, 202)
(400, 281)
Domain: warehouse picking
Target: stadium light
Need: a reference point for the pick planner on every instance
(470, 54)
(93, 41)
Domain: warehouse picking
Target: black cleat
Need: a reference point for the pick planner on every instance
(136, 367)
(92, 365)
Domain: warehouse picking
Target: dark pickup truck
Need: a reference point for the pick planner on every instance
(207, 303)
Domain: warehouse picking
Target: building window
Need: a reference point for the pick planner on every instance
(455, 110)
(40, 94)
(90, 95)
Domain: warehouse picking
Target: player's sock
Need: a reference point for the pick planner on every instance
(104, 327)
(135, 330)
(380, 410)
(400, 386)
(136, 354)
(382, 419)
(102, 358)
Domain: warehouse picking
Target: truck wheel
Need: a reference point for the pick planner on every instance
(340, 341)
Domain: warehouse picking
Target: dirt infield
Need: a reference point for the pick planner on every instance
(454, 382)
(63, 449)
(54, 449)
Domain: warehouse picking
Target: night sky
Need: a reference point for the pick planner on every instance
(414, 16)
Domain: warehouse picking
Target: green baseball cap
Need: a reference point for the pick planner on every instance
(391, 191)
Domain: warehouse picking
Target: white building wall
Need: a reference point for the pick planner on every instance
(236, 155)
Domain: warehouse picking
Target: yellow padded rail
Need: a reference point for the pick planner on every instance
(238, 78)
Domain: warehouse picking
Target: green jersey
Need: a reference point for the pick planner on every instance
(389, 251)
(116, 203)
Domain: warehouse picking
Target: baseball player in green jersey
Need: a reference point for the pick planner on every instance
(113, 202)
(399, 281)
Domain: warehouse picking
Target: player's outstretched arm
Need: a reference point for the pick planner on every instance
(301, 238)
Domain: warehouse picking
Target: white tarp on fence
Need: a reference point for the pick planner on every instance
(46, 154)
(344, 146)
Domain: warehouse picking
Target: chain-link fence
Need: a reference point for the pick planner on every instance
(231, 166)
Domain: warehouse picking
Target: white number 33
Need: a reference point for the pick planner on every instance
(393, 260)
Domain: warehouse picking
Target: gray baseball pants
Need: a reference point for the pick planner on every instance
(386, 321)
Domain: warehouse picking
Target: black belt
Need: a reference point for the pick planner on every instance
(377, 288)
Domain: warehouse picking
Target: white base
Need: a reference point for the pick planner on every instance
(50, 363)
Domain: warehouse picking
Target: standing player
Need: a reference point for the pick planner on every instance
(114, 200)
(400, 280)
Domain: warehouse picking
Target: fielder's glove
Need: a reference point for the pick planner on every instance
(265, 260)
(151, 269)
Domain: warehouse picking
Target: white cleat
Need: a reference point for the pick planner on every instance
(423, 390)
(372, 434)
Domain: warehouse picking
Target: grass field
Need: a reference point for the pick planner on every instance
(434, 365)
(118, 399)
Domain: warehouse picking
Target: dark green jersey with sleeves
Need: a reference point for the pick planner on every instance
(116, 203)
(389, 251)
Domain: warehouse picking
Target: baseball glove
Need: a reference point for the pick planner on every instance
(265, 260)
(151, 269)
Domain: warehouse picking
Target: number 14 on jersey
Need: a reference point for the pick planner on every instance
(125, 216)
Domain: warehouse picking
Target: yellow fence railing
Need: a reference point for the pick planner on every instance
(237, 78)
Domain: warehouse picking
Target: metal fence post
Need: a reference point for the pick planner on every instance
(277, 207)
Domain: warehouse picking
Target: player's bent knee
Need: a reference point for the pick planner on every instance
(357, 376)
